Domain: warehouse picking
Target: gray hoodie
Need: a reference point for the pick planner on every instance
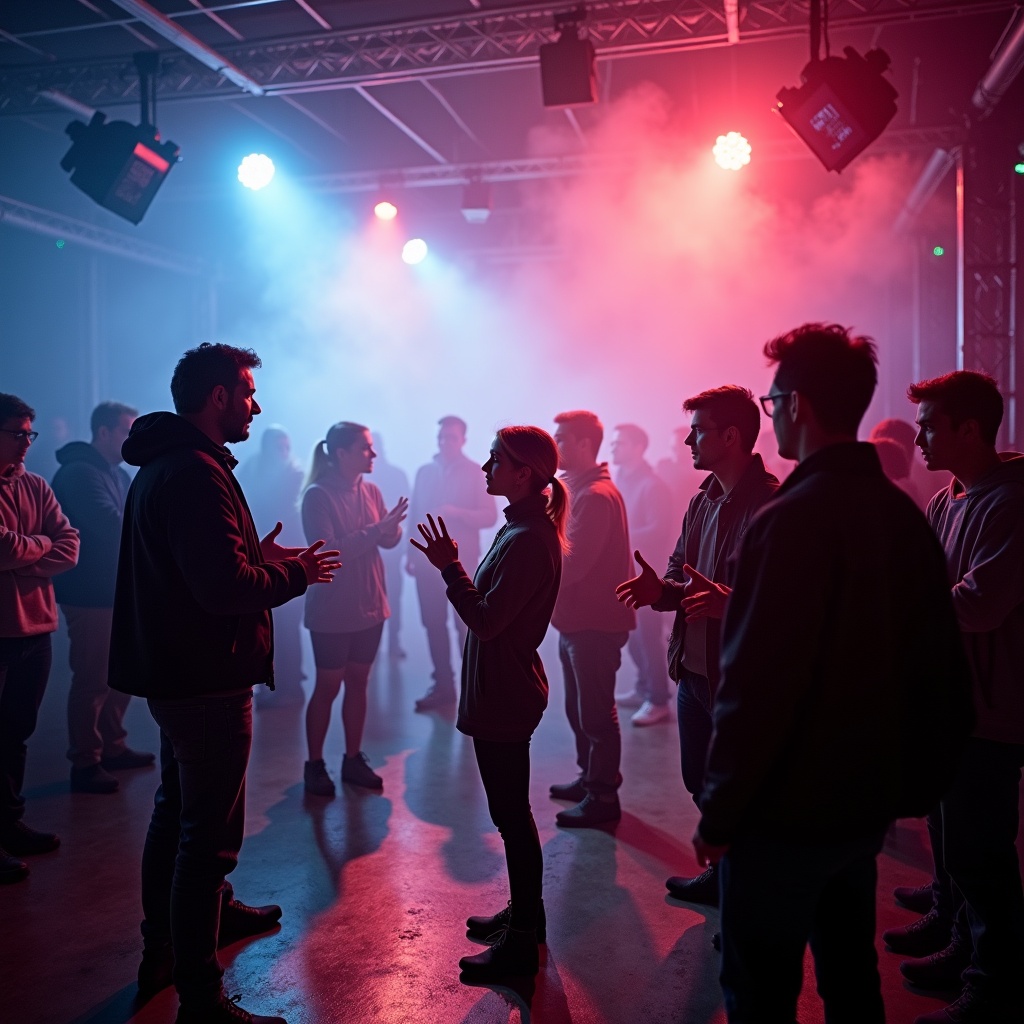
(982, 533)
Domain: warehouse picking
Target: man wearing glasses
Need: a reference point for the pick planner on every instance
(36, 543)
(839, 637)
(723, 430)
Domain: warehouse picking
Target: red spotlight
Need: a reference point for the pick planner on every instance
(385, 210)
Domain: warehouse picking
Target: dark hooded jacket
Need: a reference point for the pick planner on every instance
(193, 596)
(981, 529)
(92, 494)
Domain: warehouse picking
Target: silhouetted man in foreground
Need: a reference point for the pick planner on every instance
(843, 698)
(192, 633)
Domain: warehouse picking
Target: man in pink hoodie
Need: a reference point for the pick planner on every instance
(36, 543)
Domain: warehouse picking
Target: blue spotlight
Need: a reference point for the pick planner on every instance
(256, 171)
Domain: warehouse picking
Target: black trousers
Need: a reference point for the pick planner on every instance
(505, 772)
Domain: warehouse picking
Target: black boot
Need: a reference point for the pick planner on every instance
(487, 928)
(702, 889)
(514, 954)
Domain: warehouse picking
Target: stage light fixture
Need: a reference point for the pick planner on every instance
(256, 171)
(568, 66)
(120, 165)
(731, 151)
(476, 201)
(414, 251)
(842, 107)
(385, 211)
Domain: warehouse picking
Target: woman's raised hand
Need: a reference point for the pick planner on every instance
(440, 549)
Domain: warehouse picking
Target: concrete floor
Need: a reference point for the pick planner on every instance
(375, 888)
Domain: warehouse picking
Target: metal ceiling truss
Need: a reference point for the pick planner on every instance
(488, 41)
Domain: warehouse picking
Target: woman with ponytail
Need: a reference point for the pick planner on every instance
(346, 624)
(507, 607)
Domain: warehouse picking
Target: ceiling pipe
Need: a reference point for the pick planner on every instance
(1006, 66)
(170, 30)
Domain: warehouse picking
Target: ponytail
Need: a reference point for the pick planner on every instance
(320, 464)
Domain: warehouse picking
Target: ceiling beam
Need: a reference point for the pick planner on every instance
(400, 124)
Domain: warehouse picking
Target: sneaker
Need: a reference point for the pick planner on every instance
(703, 889)
(240, 921)
(513, 954)
(356, 771)
(127, 759)
(316, 780)
(633, 699)
(918, 898)
(437, 698)
(93, 779)
(487, 928)
(11, 869)
(939, 972)
(650, 714)
(974, 1008)
(923, 937)
(574, 791)
(21, 840)
(226, 1011)
(590, 812)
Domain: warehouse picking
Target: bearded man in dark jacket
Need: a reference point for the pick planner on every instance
(192, 633)
(844, 696)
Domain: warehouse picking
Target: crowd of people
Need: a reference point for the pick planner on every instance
(841, 658)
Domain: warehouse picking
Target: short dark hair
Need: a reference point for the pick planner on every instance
(583, 425)
(13, 408)
(108, 414)
(835, 370)
(730, 406)
(454, 421)
(201, 369)
(633, 433)
(964, 395)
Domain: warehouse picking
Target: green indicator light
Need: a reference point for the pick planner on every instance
(60, 243)
(938, 251)
(1019, 168)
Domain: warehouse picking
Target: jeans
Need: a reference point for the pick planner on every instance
(693, 704)
(647, 649)
(590, 660)
(95, 711)
(24, 671)
(979, 830)
(505, 772)
(432, 592)
(777, 896)
(195, 833)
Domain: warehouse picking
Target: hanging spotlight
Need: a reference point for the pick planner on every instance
(385, 210)
(476, 201)
(414, 251)
(842, 107)
(256, 171)
(731, 151)
(568, 74)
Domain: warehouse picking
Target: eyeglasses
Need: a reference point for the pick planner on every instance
(22, 435)
(766, 399)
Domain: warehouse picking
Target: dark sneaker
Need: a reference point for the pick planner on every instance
(23, 841)
(486, 929)
(227, 1011)
(974, 1008)
(939, 972)
(437, 698)
(240, 921)
(128, 759)
(11, 869)
(923, 937)
(573, 791)
(702, 889)
(316, 780)
(356, 771)
(590, 812)
(513, 954)
(94, 779)
(918, 898)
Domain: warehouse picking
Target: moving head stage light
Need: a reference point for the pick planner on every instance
(120, 165)
(842, 107)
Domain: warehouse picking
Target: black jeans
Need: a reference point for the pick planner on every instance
(693, 717)
(775, 898)
(195, 833)
(590, 660)
(24, 671)
(979, 831)
(505, 772)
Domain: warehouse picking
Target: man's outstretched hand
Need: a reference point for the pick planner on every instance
(641, 590)
(319, 565)
(703, 598)
(274, 552)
